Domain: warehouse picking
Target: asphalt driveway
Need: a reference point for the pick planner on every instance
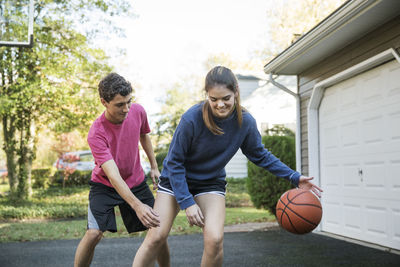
(257, 248)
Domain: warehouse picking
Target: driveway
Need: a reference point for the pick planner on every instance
(265, 247)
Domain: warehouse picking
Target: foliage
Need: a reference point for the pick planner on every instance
(51, 203)
(177, 100)
(160, 156)
(285, 27)
(264, 187)
(236, 193)
(78, 178)
(70, 178)
(251, 63)
(279, 130)
(41, 177)
(53, 83)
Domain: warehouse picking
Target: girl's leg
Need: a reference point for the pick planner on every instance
(156, 238)
(213, 209)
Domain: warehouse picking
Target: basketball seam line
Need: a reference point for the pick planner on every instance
(290, 201)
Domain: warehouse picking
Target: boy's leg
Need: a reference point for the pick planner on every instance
(101, 217)
(85, 251)
(155, 245)
(213, 208)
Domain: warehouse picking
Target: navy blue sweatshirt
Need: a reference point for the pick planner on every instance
(196, 153)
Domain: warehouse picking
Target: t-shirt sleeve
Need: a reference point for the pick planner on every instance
(144, 127)
(99, 146)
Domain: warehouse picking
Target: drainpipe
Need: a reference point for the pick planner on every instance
(298, 123)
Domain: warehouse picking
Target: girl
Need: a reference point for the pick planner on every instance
(193, 176)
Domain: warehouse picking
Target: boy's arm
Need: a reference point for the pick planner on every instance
(148, 148)
(145, 213)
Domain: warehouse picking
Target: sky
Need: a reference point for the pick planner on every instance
(170, 40)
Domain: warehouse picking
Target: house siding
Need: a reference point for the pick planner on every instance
(385, 37)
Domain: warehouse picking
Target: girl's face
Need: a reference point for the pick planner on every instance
(221, 100)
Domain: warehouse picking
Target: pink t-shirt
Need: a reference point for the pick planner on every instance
(119, 142)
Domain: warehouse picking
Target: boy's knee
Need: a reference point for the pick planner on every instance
(94, 235)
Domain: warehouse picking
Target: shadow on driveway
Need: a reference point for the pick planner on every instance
(258, 248)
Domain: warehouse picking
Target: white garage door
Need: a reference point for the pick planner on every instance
(359, 124)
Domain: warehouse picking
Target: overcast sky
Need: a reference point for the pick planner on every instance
(169, 40)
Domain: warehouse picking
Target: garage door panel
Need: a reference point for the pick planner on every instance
(332, 172)
(352, 217)
(360, 156)
(368, 220)
(393, 124)
(394, 176)
(351, 178)
(349, 134)
(395, 226)
(333, 218)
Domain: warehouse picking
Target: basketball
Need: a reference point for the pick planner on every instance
(298, 211)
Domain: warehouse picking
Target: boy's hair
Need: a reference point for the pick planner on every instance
(221, 76)
(112, 85)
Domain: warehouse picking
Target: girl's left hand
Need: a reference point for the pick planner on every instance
(304, 183)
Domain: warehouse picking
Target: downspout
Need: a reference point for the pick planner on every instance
(298, 122)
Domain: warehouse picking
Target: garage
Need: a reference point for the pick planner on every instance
(359, 156)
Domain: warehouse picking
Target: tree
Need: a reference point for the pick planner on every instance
(286, 25)
(53, 84)
(177, 100)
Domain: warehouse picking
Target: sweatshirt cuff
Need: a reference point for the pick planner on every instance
(186, 203)
(295, 178)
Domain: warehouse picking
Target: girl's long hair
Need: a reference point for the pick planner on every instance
(216, 77)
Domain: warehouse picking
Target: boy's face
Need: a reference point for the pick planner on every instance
(117, 109)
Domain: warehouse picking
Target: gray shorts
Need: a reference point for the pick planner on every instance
(103, 199)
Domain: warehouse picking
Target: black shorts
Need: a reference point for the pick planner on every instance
(196, 187)
(103, 199)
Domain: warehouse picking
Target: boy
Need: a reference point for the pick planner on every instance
(118, 178)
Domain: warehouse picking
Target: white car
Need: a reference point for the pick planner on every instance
(78, 160)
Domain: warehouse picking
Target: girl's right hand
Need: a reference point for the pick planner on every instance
(195, 216)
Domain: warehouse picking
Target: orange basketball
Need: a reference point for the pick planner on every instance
(298, 211)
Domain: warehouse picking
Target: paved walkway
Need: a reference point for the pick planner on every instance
(245, 245)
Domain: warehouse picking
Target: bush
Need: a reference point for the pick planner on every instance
(78, 178)
(73, 179)
(160, 156)
(41, 177)
(264, 187)
(236, 193)
(57, 178)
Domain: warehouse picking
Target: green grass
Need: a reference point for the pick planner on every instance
(75, 229)
(57, 213)
(53, 203)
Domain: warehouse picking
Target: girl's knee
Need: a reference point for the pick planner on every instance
(214, 241)
(156, 238)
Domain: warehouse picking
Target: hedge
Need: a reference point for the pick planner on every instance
(265, 188)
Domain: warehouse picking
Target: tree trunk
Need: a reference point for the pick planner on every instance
(9, 148)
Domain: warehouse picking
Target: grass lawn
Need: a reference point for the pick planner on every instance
(75, 228)
(58, 213)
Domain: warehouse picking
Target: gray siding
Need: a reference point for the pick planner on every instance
(378, 40)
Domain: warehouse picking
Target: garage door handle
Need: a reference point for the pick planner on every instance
(360, 174)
